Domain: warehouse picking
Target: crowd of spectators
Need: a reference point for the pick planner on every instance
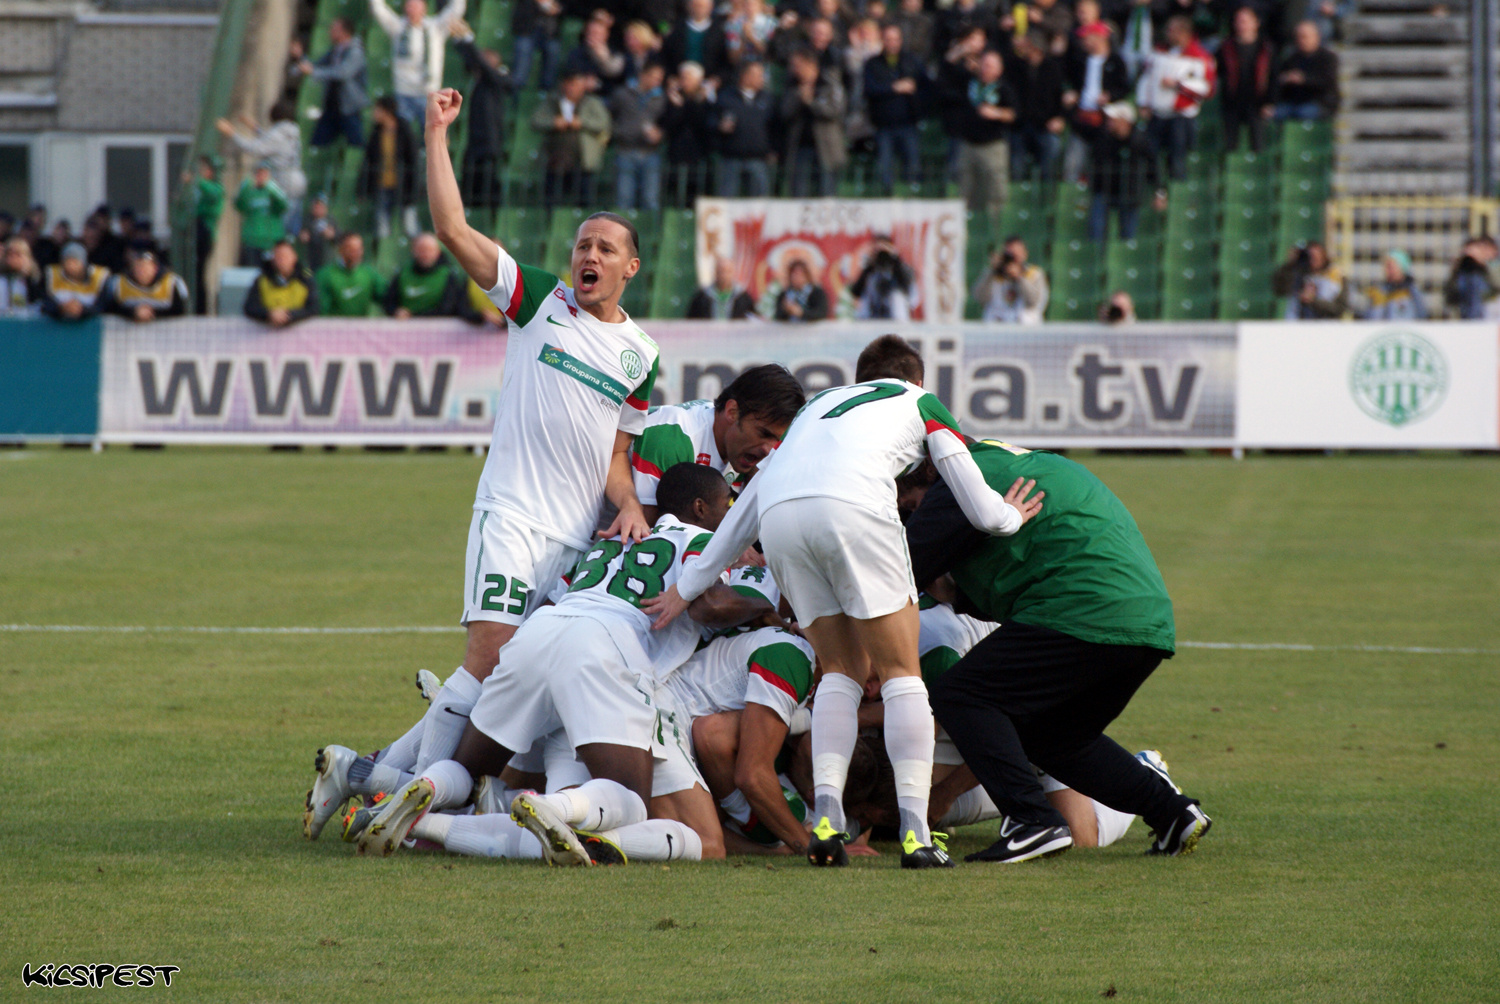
(741, 99)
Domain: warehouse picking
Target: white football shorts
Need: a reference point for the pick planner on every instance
(834, 557)
(509, 568)
(674, 768)
(564, 671)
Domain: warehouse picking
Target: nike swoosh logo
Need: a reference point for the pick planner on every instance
(553, 320)
(455, 713)
(1012, 845)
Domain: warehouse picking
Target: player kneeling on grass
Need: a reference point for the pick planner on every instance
(1084, 620)
(584, 665)
(824, 508)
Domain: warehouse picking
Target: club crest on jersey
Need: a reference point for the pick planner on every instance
(634, 365)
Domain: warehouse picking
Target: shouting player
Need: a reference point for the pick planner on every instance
(577, 383)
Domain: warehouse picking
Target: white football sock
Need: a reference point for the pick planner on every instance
(973, 806)
(491, 836)
(835, 727)
(444, 723)
(402, 754)
(597, 805)
(377, 777)
(909, 736)
(657, 840)
(736, 806)
(1112, 823)
(451, 784)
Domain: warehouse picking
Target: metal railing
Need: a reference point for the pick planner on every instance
(1362, 230)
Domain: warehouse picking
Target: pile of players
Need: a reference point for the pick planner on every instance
(643, 692)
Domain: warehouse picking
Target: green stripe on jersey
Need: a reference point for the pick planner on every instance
(536, 285)
(789, 663)
(932, 410)
(663, 446)
(696, 545)
(936, 662)
(584, 373)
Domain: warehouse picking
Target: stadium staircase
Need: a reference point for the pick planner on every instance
(1404, 170)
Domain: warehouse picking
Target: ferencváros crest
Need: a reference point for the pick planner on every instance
(632, 363)
(1398, 377)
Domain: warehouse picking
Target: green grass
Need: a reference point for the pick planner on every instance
(153, 810)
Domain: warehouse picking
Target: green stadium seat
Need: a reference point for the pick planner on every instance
(523, 231)
(676, 273)
(1243, 221)
(1251, 190)
(1072, 215)
(1298, 224)
(1076, 278)
(1025, 215)
(560, 235)
(1134, 267)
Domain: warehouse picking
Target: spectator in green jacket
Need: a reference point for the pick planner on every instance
(347, 287)
(208, 206)
(262, 206)
(425, 286)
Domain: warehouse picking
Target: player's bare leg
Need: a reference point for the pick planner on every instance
(694, 808)
(716, 741)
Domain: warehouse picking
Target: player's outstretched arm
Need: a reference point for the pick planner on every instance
(473, 250)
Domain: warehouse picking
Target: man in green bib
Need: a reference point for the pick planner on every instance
(426, 286)
(1084, 620)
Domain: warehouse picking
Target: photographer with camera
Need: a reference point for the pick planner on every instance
(1313, 285)
(1013, 291)
(886, 289)
(1471, 289)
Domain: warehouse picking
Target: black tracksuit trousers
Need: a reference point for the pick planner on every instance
(1030, 695)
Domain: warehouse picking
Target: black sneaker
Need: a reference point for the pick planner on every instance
(1020, 842)
(602, 851)
(919, 855)
(1183, 835)
(826, 848)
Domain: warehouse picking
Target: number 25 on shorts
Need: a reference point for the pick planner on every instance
(495, 596)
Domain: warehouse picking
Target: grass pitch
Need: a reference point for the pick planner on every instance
(156, 778)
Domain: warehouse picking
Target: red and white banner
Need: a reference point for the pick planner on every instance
(834, 237)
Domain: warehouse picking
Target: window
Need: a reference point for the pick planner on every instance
(15, 178)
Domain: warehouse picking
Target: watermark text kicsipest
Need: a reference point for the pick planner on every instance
(96, 975)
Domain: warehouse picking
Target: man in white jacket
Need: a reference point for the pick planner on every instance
(416, 51)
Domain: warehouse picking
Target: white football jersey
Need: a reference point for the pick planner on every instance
(852, 442)
(611, 580)
(766, 666)
(749, 580)
(570, 383)
(675, 434)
